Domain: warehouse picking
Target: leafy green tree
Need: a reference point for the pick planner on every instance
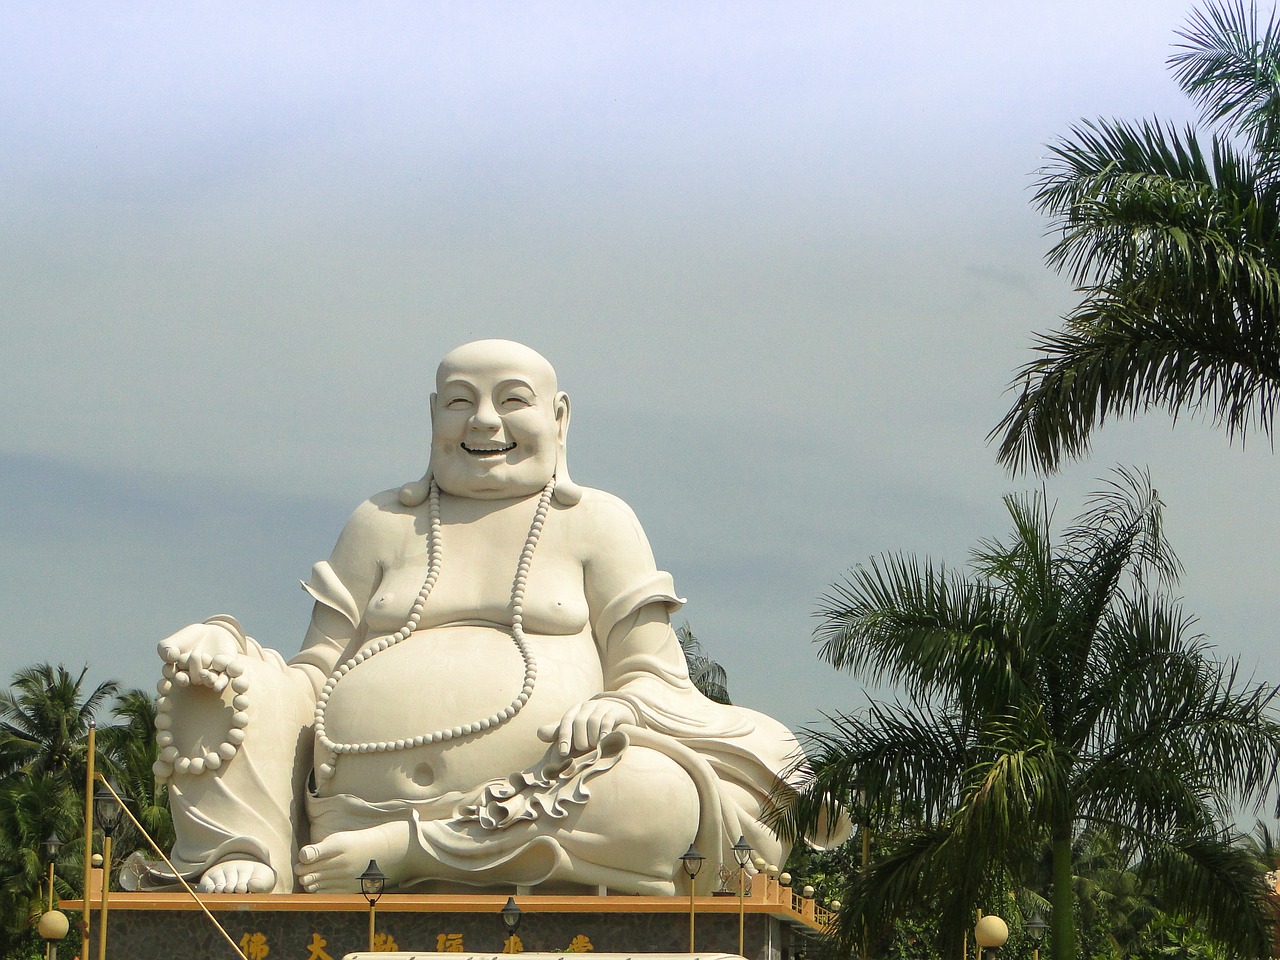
(1173, 239)
(44, 723)
(1054, 688)
(909, 935)
(32, 807)
(130, 748)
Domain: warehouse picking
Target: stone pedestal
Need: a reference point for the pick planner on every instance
(171, 926)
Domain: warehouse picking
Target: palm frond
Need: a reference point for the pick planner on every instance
(901, 620)
(1228, 66)
(1116, 359)
(916, 755)
(1175, 248)
(711, 679)
(1209, 878)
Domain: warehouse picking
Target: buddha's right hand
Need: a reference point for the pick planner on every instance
(205, 654)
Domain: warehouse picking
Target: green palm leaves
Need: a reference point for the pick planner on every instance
(707, 676)
(44, 723)
(1175, 247)
(1051, 688)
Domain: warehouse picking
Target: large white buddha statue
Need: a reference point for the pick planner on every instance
(489, 693)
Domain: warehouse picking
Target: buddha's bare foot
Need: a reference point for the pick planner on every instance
(332, 865)
(237, 876)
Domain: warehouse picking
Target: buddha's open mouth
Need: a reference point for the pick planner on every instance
(489, 451)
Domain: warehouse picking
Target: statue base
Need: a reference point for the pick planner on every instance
(777, 925)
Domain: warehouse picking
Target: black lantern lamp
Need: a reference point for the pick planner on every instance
(50, 848)
(106, 810)
(1035, 928)
(511, 916)
(372, 882)
(692, 861)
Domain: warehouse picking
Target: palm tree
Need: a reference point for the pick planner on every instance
(1053, 689)
(31, 808)
(44, 722)
(130, 745)
(708, 676)
(1174, 243)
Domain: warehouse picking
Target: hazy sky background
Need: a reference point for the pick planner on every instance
(782, 255)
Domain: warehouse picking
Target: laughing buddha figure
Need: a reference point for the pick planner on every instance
(489, 693)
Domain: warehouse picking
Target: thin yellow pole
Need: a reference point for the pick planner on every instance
(866, 863)
(186, 886)
(691, 886)
(106, 888)
(48, 944)
(742, 905)
(88, 831)
(372, 908)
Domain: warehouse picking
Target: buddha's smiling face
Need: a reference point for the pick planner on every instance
(497, 421)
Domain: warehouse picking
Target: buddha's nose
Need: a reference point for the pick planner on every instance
(486, 417)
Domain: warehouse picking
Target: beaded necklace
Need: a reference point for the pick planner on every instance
(435, 557)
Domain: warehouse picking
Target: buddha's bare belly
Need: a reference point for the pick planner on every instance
(445, 677)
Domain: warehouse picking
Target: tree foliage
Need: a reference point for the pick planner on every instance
(1053, 689)
(1173, 239)
(709, 677)
(44, 722)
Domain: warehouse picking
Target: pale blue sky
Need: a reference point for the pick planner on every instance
(782, 256)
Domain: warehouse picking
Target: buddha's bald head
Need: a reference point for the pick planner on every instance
(498, 421)
(506, 355)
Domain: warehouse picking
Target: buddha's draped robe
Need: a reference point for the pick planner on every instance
(511, 826)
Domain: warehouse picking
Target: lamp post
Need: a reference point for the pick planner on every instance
(53, 927)
(864, 832)
(692, 861)
(372, 882)
(990, 934)
(511, 916)
(50, 848)
(107, 811)
(88, 830)
(742, 853)
(1036, 928)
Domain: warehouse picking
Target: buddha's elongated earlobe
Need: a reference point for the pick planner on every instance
(567, 493)
(415, 494)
